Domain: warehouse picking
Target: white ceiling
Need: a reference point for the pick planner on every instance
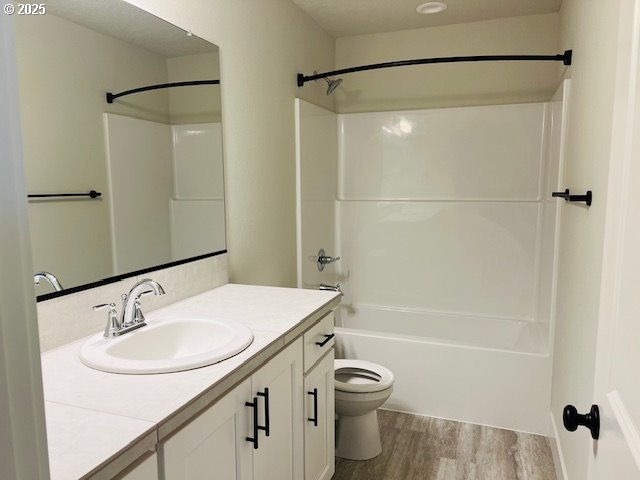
(130, 24)
(342, 18)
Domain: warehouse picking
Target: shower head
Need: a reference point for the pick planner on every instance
(332, 84)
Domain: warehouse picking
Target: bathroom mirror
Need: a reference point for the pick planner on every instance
(153, 159)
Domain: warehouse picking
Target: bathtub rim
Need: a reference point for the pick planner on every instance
(433, 341)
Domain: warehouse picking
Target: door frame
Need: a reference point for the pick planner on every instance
(23, 445)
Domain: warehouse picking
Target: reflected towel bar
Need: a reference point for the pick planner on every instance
(90, 194)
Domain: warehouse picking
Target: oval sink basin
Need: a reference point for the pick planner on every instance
(167, 345)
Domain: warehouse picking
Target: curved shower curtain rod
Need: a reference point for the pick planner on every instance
(562, 57)
(112, 96)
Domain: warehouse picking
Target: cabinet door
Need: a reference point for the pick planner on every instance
(279, 456)
(213, 445)
(319, 415)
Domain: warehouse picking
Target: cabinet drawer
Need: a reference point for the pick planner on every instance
(318, 340)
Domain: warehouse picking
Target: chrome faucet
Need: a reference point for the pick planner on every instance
(49, 277)
(131, 308)
(132, 316)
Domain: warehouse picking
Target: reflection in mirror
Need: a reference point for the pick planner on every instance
(153, 159)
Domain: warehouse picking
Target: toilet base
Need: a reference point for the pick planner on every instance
(358, 437)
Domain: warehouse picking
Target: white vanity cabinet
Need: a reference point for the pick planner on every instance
(213, 445)
(319, 427)
(279, 455)
(319, 408)
(254, 432)
(146, 469)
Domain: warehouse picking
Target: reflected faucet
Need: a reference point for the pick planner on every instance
(49, 277)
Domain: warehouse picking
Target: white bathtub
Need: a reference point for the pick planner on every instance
(480, 370)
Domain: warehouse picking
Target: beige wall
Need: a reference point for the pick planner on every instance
(592, 32)
(64, 71)
(199, 104)
(263, 45)
(433, 86)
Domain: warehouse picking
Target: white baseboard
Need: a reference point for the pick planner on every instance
(556, 451)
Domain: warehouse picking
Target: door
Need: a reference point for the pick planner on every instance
(277, 388)
(207, 446)
(319, 437)
(616, 455)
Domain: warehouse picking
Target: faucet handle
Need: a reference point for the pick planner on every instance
(104, 306)
(138, 316)
(113, 324)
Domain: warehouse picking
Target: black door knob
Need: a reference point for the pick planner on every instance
(572, 420)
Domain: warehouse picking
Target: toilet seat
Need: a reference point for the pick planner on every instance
(360, 376)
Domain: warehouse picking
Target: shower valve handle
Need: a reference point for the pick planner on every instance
(322, 259)
(326, 259)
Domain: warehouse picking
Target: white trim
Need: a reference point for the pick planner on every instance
(627, 425)
(298, 133)
(624, 125)
(23, 445)
(556, 450)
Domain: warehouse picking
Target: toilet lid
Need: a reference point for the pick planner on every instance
(360, 376)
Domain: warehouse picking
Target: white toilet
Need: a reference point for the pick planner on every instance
(361, 387)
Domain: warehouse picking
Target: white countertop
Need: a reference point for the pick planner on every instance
(99, 421)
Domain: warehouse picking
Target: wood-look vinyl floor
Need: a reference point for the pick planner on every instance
(415, 447)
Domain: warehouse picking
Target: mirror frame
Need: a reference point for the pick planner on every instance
(124, 276)
(135, 273)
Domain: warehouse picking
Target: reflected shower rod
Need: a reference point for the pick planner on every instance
(565, 58)
(112, 96)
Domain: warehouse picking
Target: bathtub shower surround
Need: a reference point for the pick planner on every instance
(317, 189)
(447, 203)
(166, 189)
(447, 236)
